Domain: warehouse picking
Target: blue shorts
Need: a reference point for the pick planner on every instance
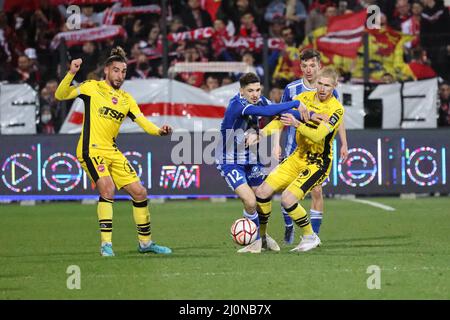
(237, 174)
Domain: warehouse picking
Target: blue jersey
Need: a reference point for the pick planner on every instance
(292, 89)
(231, 147)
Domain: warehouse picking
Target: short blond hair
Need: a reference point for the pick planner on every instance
(329, 72)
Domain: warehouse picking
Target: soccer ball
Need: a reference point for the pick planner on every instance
(244, 231)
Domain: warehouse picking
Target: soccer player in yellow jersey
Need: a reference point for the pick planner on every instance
(310, 65)
(105, 108)
(310, 163)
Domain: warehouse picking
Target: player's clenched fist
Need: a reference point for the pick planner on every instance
(75, 65)
(165, 130)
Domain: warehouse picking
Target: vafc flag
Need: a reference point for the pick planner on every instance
(344, 35)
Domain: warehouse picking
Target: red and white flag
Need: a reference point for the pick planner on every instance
(233, 42)
(196, 34)
(165, 101)
(112, 13)
(78, 37)
(88, 2)
(344, 35)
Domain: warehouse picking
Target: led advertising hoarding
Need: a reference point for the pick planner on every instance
(379, 162)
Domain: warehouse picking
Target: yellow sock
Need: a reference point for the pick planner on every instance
(105, 215)
(141, 217)
(264, 210)
(298, 214)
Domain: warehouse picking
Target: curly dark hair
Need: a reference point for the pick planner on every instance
(117, 54)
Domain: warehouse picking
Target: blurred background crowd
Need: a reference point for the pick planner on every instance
(416, 33)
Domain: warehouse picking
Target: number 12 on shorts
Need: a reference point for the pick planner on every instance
(234, 176)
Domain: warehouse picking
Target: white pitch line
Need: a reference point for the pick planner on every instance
(373, 204)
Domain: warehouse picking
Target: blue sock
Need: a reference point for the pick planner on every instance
(316, 220)
(289, 232)
(254, 217)
(287, 218)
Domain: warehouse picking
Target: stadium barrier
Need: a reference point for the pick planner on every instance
(380, 162)
(398, 105)
(18, 109)
(164, 101)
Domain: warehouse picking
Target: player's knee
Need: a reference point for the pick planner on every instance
(140, 194)
(107, 193)
(287, 199)
(263, 192)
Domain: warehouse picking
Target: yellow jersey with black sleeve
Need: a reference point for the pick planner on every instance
(105, 108)
(104, 111)
(310, 163)
(315, 141)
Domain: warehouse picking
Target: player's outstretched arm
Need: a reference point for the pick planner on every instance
(269, 110)
(65, 91)
(276, 125)
(136, 115)
(151, 128)
(299, 115)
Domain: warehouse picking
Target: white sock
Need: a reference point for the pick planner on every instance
(250, 216)
(314, 214)
(145, 244)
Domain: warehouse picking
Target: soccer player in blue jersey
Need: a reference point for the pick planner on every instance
(236, 162)
(310, 65)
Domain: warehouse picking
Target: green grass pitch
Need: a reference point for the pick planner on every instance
(411, 246)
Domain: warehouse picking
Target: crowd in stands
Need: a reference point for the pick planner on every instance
(27, 29)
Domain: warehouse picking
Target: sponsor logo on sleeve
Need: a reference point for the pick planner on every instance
(334, 119)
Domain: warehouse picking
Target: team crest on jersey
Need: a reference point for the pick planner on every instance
(101, 168)
(127, 167)
(305, 172)
(114, 100)
(255, 172)
(334, 119)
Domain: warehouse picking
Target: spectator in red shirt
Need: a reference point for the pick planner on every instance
(218, 45)
(191, 54)
(211, 6)
(419, 67)
(320, 5)
(412, 25)
(248, 27)
(401, 14)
